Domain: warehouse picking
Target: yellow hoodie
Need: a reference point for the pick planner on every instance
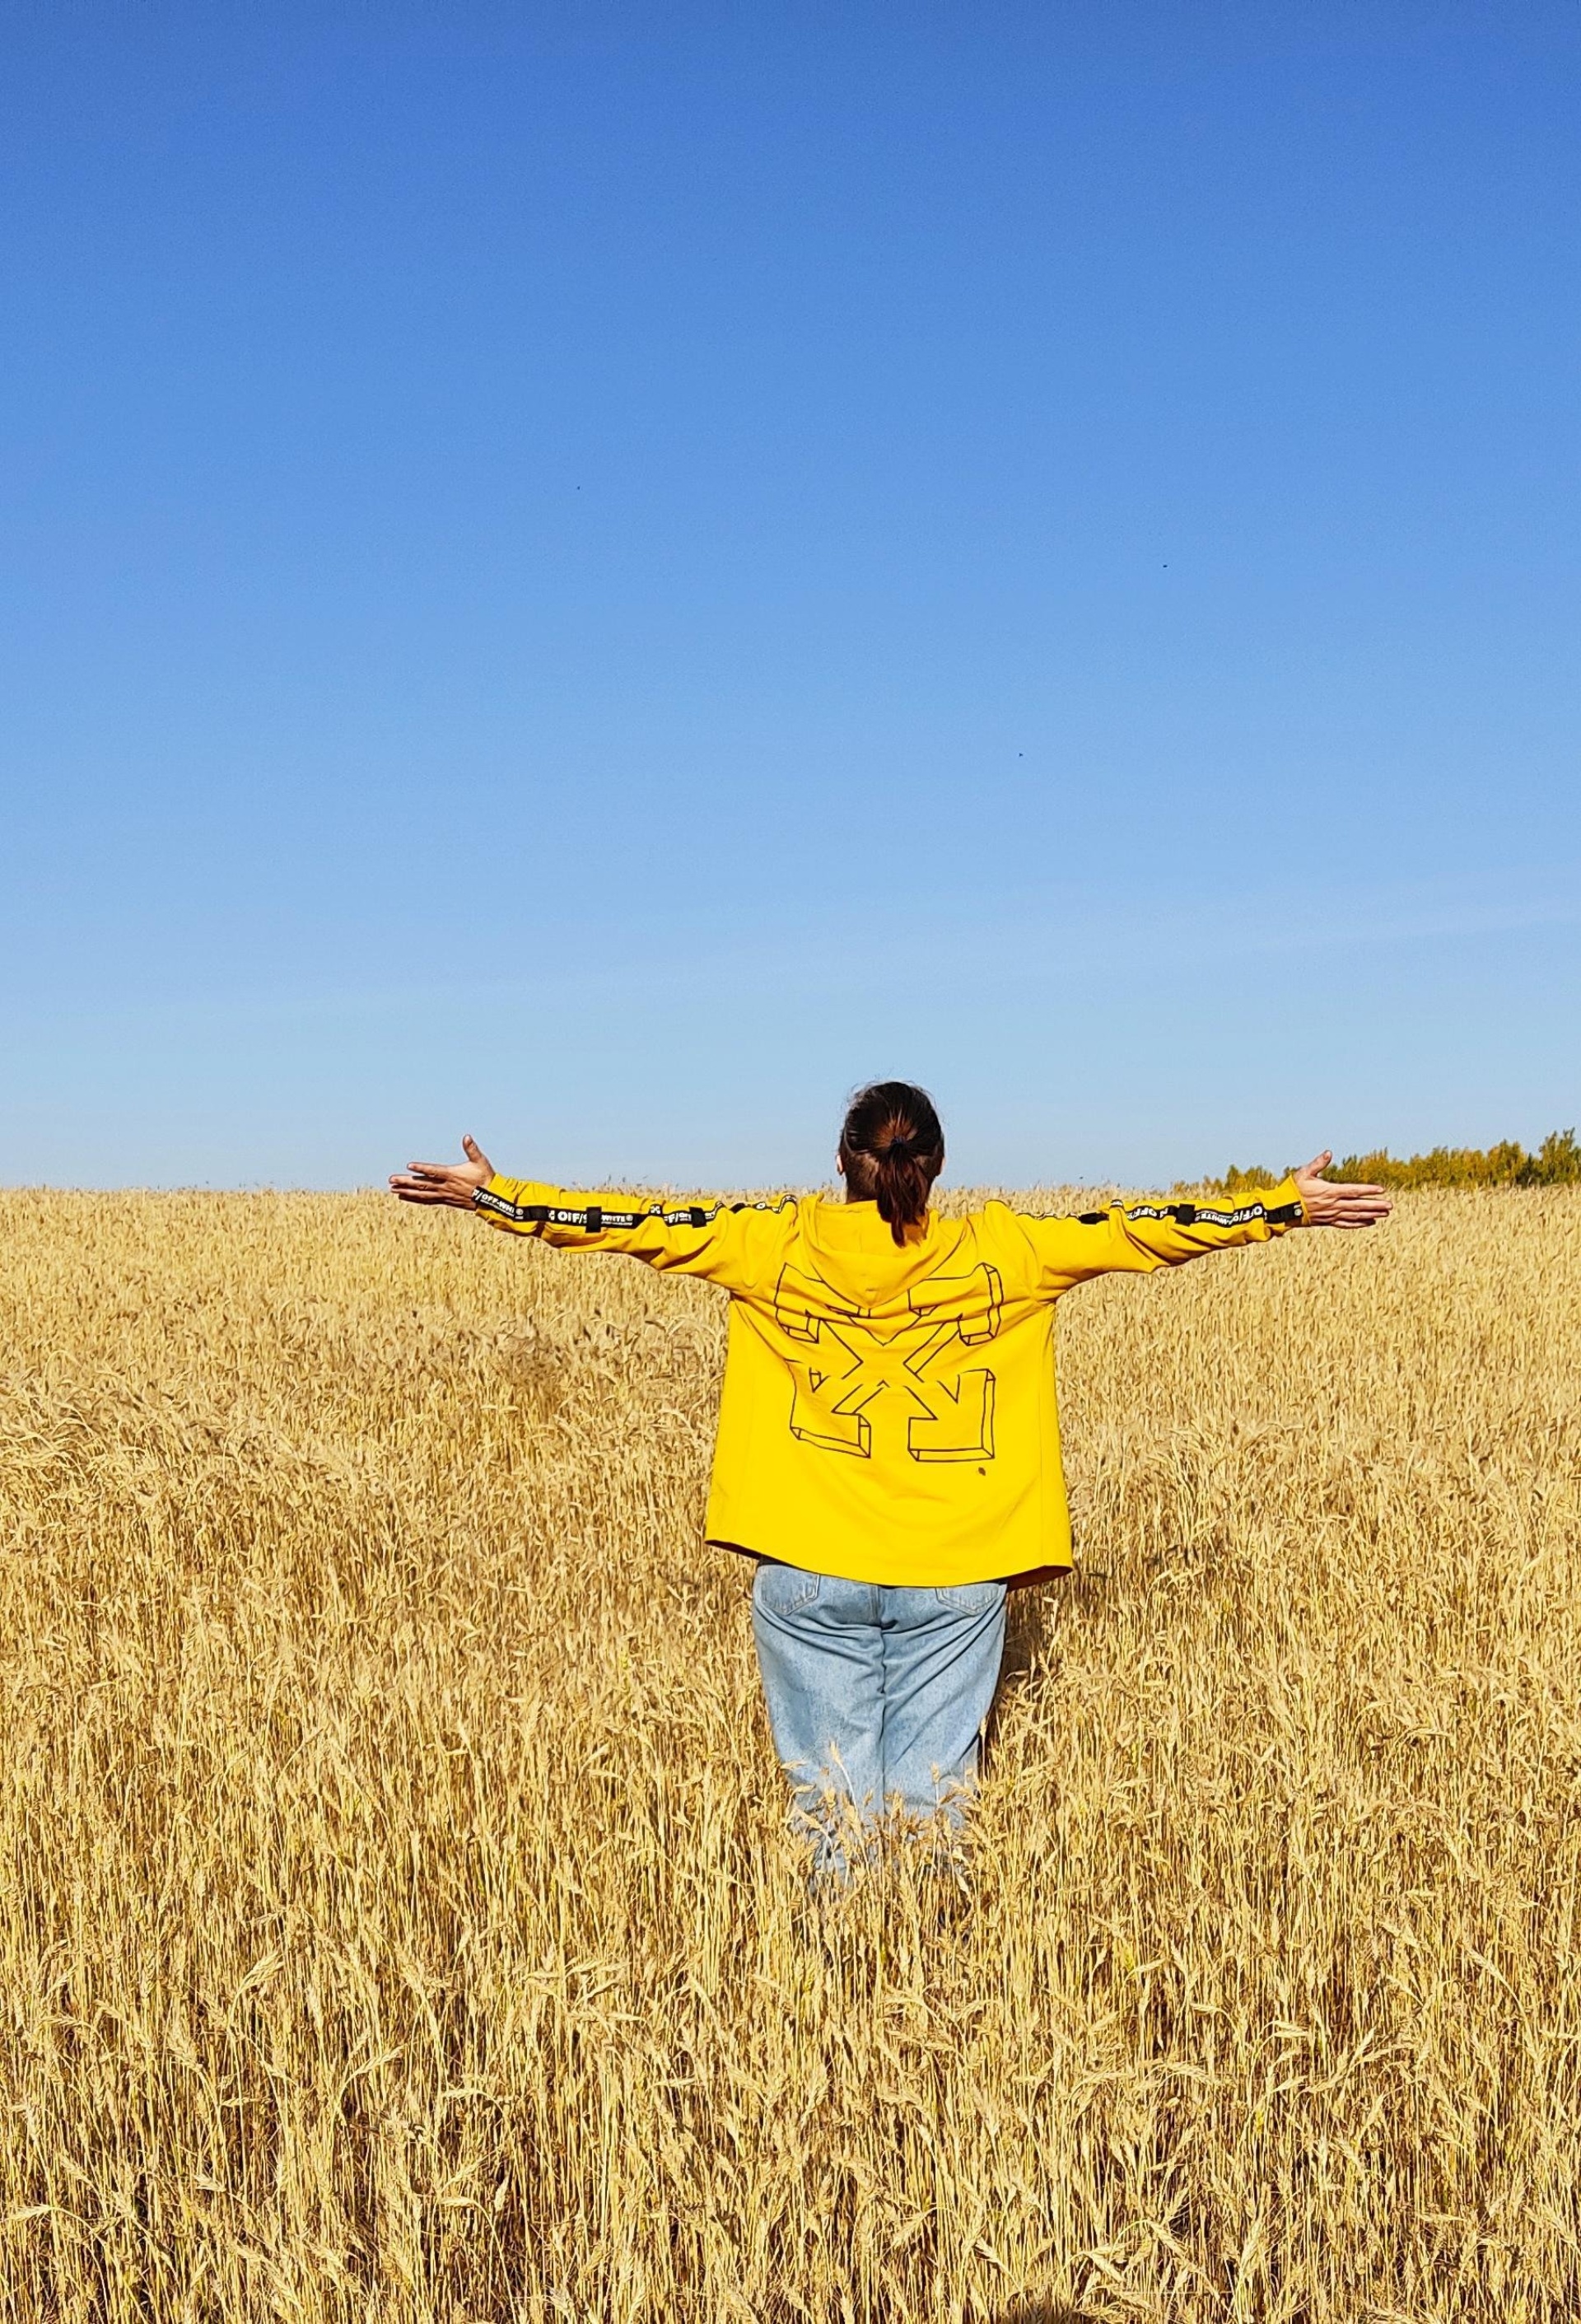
(889, 1411)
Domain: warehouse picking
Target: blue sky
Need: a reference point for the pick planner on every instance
(598, 574)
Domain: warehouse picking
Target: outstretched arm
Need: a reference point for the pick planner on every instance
(730, 1243)
(1136, 1237)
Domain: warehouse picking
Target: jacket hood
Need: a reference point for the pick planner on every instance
(858, 1257)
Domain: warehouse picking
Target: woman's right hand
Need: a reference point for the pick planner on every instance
(444, 1182)
(1334, 1202)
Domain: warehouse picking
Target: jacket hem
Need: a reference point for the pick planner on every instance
(924, 1574)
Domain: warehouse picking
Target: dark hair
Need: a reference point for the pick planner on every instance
(892, 1149)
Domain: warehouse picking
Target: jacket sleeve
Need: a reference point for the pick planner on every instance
(1134, 1238)
(729, 1243)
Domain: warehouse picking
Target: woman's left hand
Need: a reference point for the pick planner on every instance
(444, 1182)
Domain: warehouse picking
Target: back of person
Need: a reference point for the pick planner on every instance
(888, 1438)
(893, 1404)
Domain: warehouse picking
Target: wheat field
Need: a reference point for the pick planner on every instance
(400, 1922)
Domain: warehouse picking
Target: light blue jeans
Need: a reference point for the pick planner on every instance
(876, 1696)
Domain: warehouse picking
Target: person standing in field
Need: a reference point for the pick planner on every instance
(888, 1445)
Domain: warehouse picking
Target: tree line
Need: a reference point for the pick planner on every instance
(1556, 1162)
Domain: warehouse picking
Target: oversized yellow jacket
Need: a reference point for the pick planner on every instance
(888, 1412)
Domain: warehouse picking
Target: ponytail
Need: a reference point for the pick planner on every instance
(892, 1149)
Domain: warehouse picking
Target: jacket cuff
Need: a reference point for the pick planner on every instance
(1285, 1206)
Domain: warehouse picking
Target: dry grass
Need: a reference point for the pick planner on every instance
(398, 1922)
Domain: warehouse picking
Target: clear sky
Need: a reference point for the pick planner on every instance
(596, 573)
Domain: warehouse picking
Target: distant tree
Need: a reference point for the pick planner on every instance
(1556, 1163)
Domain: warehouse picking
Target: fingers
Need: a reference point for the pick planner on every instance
(1348, 1206)
(443, 1181)
(424, 1185)
(1338, 1202)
